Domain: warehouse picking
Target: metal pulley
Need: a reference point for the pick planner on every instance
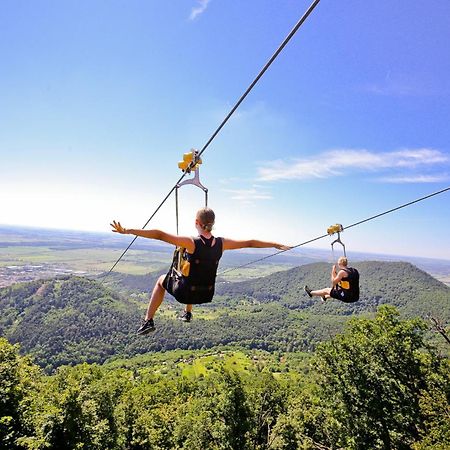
(191, 163)
(333, 229)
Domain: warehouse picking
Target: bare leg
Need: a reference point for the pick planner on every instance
(188, 308)
(156, 298)
(322, 293)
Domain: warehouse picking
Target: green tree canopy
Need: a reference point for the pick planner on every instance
(377, 376)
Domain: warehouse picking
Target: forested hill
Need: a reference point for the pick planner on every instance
(66, 320)
(71, 320)
(402, 284)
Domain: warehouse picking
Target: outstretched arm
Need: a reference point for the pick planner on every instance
(180, 241)
(231, 244)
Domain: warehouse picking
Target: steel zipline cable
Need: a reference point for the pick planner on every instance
(235, 107)
(376, 216)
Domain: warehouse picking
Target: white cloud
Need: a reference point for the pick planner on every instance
(402, 85)
(416, 179)
(248, 196)
(199, 9)
(399, 90)
(341, 162)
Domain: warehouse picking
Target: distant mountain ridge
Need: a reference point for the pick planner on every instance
(71, 319)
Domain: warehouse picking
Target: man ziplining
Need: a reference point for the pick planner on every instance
(202, 253)
(344, 284)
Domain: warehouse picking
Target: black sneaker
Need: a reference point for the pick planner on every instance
(324, 299)
(146, 327)
(186, 316)
(308, 290)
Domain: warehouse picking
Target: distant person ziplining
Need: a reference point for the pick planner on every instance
(194, 282)
(345, 284)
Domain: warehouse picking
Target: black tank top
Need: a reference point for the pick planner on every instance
(204, 262)
(353, 281)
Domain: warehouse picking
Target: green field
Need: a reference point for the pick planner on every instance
(92, 260)
(96, 253)
(98, 260)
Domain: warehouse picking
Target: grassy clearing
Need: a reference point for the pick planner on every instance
(192, 364)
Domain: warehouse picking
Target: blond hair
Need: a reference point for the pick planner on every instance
(206, 217)
(343, 261)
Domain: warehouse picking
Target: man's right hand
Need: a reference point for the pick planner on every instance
(118, 228)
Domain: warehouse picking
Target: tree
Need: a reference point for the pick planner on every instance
(216, 416)
(75, 409)
(18, 378)
(11, 394)
(375, 376)
(266, 401)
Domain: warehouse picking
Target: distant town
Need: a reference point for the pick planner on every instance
(30, 272)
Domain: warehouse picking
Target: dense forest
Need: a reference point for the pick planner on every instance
(262, 367)
(378, 385)
(72, 320)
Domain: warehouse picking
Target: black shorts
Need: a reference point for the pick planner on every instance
(341, 294)
(179, 286)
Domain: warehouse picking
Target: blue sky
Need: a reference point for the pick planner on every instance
(100, 99)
